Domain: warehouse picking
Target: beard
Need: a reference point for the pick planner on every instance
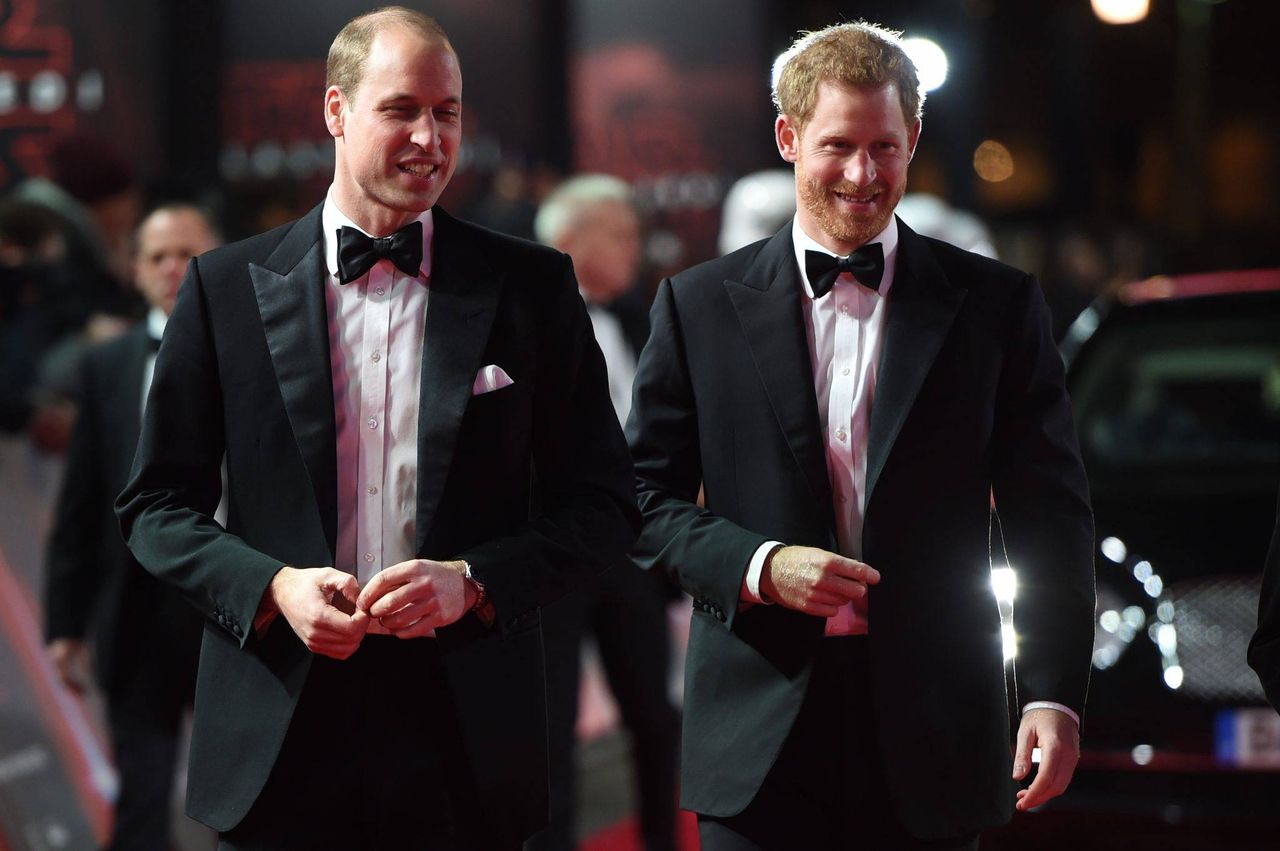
(853, 229)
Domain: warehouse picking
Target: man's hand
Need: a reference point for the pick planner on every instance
(414, 597)
(814, 581)
(1058, 739)
(70, 656)
(319, 604)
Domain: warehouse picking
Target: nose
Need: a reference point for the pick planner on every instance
(425, 133)
(860, 170)
(175, 267)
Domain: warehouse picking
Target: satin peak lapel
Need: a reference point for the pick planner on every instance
(768, 304)
(294, 317)
(460, 310)
(922, 306)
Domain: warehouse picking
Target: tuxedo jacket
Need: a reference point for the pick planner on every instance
(531, 484)
(94, 588)
(969, 400)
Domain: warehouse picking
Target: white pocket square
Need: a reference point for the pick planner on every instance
(490, 378)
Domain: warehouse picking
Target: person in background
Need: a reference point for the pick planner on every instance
(592, 218)
(145, 638)
(849, 396)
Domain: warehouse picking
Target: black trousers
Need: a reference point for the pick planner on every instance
(145, 713)
(826, 790)
(372, 760)
(625, 609)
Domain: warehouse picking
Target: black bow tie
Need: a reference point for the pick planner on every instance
(357, 252)
(866, 265)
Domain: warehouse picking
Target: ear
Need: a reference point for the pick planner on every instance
(787, 134)
(335, 103)
(913, 136)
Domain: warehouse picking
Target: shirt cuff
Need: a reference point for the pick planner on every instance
(1049, 704)
(751, 582)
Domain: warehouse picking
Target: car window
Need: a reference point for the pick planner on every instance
(1202, 391)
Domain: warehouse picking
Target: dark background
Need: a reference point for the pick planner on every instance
(1164, 131)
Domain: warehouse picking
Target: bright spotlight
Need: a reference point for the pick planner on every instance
(1121, 11)
(1004, 584)
(1173, 676)
(930, 61)
(1114, 549)
(1143, 754)
(1009, 640)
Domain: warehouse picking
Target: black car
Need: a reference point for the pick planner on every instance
(1175, 383)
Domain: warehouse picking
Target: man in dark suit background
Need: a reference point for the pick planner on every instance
(420, 452)
(850, 395)
(145, 639)
(592, 218)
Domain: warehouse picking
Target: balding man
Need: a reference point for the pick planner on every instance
(146, 639)
(420, 453)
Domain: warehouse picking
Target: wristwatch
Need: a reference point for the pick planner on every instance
(482, 608)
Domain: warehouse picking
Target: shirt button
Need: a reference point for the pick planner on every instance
(844, 308)
(381, 291)
(373, 423)
(372, 489)
(375, 357)
(841, 434)
(844, 371)
(368, 557)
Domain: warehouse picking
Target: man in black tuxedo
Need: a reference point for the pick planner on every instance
(420, 452)
(592, 218)
(849, 421)
(146, 640)
(1264, 647)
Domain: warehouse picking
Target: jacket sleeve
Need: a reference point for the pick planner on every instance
(707, 554)
(73, 555)
(1042, 497)
(166, 510)
(1264, 648)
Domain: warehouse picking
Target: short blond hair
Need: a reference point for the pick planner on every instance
(859, 55)
(350, 48)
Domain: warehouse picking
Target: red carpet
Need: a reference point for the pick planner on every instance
(625, 836)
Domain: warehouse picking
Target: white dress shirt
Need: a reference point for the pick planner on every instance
(845, 330)
(376, 325)
(619, 360)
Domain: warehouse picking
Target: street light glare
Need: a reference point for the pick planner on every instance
(1121, 11)
(930, 61)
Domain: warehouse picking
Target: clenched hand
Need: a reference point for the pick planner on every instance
(815, 581)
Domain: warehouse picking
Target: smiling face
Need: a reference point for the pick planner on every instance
(851, 160)
(397, 139)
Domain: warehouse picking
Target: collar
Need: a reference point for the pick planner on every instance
(332, 220)
(156, 320)
(888, 239)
